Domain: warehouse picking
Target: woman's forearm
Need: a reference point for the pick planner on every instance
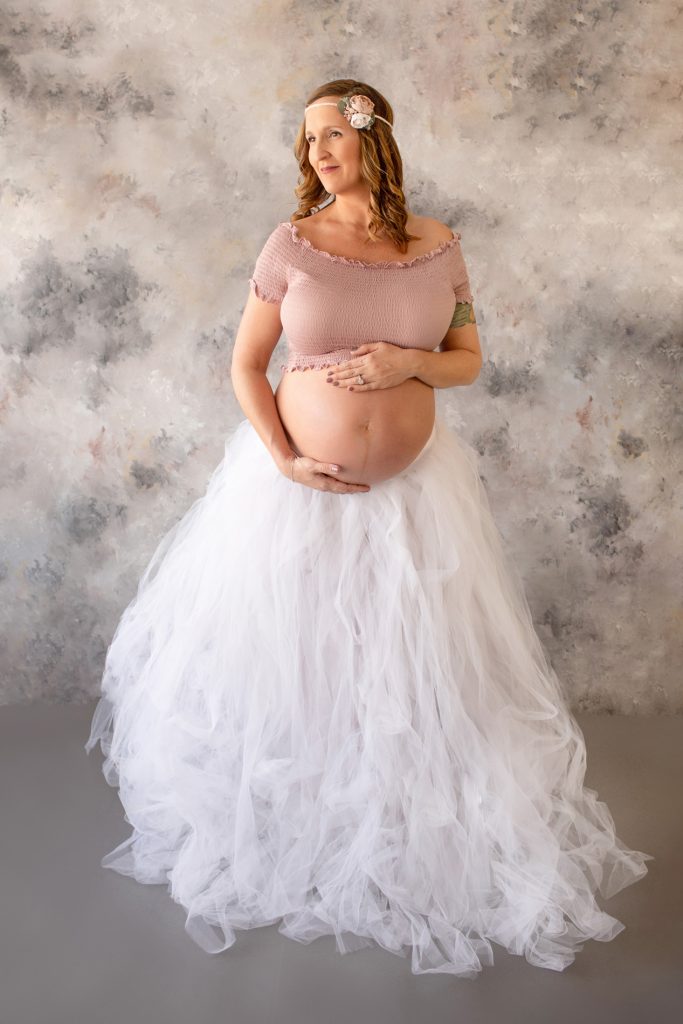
(255, 396)
(443, 369)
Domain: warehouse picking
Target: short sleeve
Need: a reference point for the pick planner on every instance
(460, 279)
(269, 278)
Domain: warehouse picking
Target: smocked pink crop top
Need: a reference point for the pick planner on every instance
(329, 303)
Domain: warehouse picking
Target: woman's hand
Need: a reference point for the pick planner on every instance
(321, 476)
(381, 364)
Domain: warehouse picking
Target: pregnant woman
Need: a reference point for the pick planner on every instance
(327, 707)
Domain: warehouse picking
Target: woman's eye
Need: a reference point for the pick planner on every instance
(333, 132)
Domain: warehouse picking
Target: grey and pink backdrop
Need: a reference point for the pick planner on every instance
(147, 153)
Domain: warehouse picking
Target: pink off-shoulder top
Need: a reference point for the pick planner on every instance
(329, 304)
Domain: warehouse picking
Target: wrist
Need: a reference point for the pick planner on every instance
(282, 454)
(284, 463)
(413, 361)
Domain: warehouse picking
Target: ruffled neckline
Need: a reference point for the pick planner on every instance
(366, 264)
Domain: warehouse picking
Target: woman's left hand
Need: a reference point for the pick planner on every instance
(381, 364)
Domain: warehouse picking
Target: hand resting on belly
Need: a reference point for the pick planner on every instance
(371, 436)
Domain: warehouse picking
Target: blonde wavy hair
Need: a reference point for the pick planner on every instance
(380, 161)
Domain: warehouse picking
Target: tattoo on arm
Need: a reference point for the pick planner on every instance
(463, 314)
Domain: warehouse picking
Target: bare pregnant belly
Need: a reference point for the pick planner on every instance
(371, 435)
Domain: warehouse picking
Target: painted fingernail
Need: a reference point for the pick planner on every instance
(336, 383)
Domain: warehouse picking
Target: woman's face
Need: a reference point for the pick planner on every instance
(332, 142)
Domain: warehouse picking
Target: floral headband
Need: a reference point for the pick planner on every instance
(356, 108)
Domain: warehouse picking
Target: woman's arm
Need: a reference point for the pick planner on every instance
(258, 334)
(458, 359)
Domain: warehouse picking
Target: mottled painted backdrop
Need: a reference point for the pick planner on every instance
(146, 155)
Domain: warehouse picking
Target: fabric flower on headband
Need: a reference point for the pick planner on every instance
(358, 110)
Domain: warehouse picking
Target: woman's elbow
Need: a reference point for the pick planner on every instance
(478, 363)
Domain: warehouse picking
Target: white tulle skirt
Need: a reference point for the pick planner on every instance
(332, 711)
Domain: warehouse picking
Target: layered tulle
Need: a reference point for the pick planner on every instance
(333, 712)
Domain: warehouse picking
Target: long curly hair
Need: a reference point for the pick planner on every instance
(381, 167)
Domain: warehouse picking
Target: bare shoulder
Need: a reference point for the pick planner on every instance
(435, 230)
(318, 217)
(324, 234)
(309, 226)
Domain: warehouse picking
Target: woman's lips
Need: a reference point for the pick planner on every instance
(328, 170)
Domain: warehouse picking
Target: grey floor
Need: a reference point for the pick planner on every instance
(84, 944)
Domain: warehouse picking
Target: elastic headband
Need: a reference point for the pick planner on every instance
(356, 108)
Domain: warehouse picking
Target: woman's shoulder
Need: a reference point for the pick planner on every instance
(415, 224)
(311, 232)
(436, 230)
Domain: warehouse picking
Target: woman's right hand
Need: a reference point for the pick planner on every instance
(318, 475)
